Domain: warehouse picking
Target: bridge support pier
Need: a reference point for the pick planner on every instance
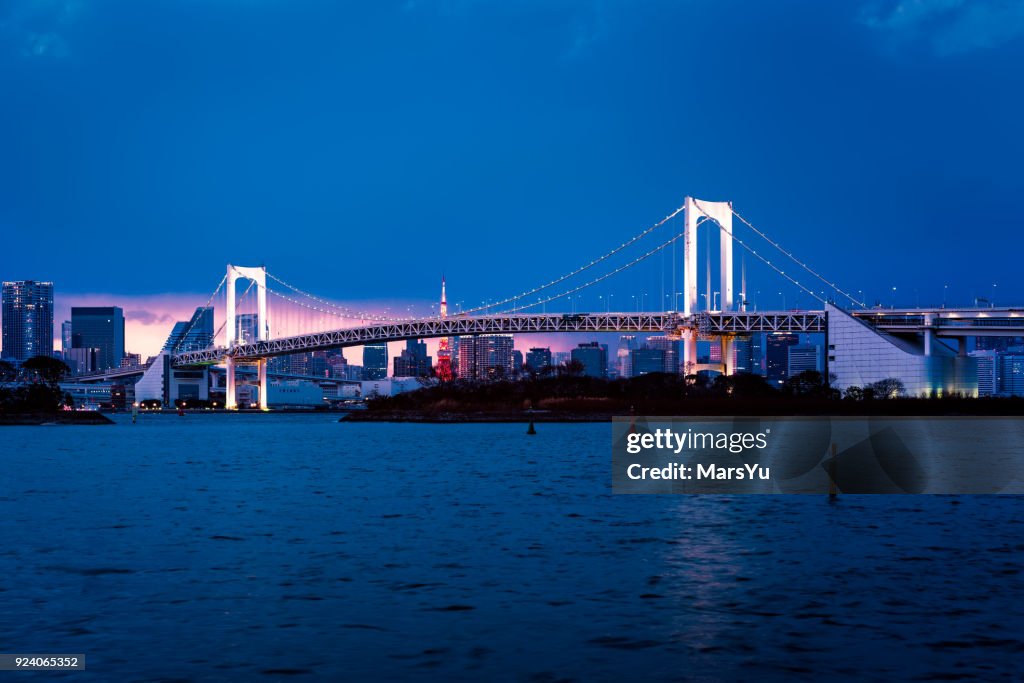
(261, 373)
(230, 402)
(689, 351)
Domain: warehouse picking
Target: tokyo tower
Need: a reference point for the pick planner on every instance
(444, 352)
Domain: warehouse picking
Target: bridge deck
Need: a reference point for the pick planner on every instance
(455, 326)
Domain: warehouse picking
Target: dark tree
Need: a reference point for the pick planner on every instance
(46, 368)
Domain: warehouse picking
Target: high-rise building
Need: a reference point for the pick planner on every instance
(27, 319)
(742, 355)
(803, 357)
(1011, 374)
(623, 358)
(486, 356)
(194, 334)
(594, 357)
(538, 358)
(757, 359)
(131, 360)
(375, 361)
(101, 328)
(81, 361)
(670, 349)
(645, 361)
(413, 361)
(988, 372)
(517, 362)
(560, 358)
(65, 337)
(777, 356)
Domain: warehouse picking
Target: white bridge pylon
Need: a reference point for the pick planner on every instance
(719, 213)
(258, 275)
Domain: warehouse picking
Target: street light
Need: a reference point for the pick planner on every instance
(716, 302)
(944, 288)
(783, 300)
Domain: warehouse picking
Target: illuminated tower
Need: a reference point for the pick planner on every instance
(444, 352)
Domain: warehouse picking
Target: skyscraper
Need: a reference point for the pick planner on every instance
(194, 334)
(375, 361)
(487, 356)
(670, 347)
(65, 337)
(413, 360)
(777, 356)
(27, 319)
(594, 357)
(100, 328)
(538, 358)
(624, 358)
(645, 361)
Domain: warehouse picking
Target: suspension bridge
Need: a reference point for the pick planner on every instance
(272, 317)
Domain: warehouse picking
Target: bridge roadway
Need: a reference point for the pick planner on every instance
(462, 325)
(946, 322)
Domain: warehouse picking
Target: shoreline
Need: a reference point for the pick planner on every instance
(64, 417)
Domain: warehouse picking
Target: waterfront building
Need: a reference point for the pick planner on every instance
(27, 327)
(130, 360)
(859, 355)
(537, 359)
(101, 328)
(594, 357)
(375, 361)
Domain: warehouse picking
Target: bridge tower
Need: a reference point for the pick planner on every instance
(258, 275)
(721, 214)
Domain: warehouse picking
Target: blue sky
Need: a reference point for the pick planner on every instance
(360, 149)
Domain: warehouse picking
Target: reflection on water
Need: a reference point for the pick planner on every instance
(238, 547)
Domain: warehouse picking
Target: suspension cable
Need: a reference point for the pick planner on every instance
(182, 338)
(582, 268)
(330, 312)
(762, 258)
(803, 265)
(346, 312)
(607, 275)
